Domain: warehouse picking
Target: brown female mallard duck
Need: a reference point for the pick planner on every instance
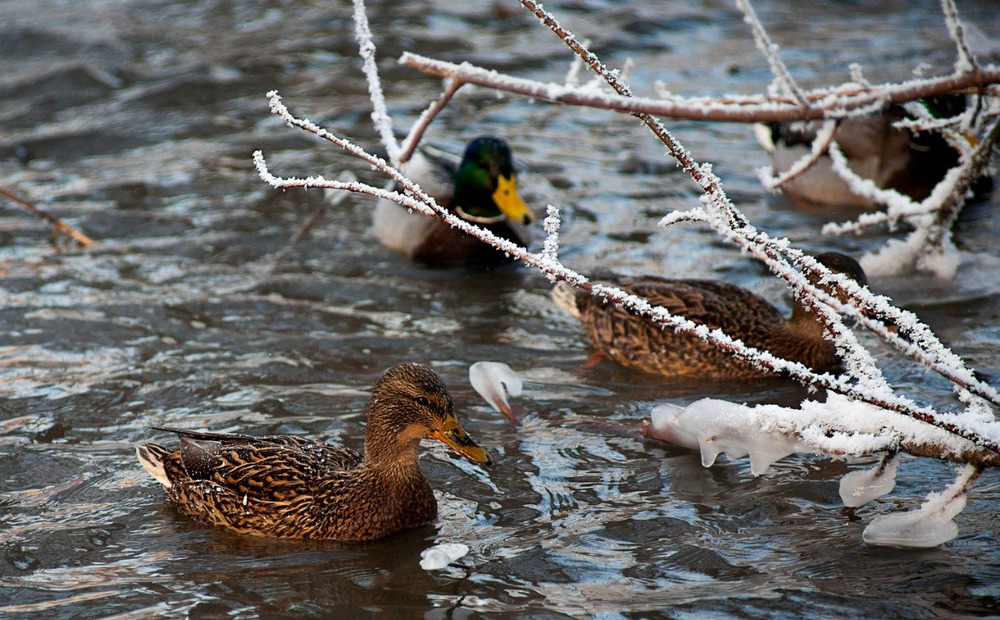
(481, 189)
(910, 162)
(636, 342)
(291, 487)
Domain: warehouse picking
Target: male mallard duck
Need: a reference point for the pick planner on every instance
(292, 487)
(636, 342)
(481, 189)
(910, 162)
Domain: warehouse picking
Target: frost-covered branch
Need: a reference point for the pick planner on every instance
(966, 62)
(416, 199)
(819, 146)
(770, 51)
(366, 47)
(840, 102)
(929, 245)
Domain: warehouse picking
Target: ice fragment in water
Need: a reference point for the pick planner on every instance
(494, 381)
(928, 526)
(442, 555)
(915, 528)
(857, 488)
(716, 426)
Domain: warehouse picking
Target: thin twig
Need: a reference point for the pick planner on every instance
(770, 51)
(965, 62)
(58, 224)
(819, 146)
(416, 199)
(417, 131)
(366, 47)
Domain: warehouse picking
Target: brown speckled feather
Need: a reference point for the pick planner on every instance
(289, 486)
(636, 342)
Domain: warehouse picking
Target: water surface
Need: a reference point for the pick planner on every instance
(135, 121)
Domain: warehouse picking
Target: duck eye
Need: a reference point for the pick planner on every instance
(423, 402)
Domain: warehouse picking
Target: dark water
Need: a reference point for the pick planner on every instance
(135, 121)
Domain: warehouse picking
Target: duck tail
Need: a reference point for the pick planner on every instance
(151, 456)
(564, 295)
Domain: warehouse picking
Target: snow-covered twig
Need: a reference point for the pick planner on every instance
(929, 245)
(424, 121)
(819, 145)
(966, 62)
(380, 115)
(770, 51)
(416, 199)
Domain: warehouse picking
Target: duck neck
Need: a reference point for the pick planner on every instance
(386, 451)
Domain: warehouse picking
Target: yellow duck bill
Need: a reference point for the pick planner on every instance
(510, 202)
(454, 436)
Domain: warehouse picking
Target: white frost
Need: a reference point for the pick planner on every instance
(439, 556)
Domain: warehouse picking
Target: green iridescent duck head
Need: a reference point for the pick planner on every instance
(486, 184)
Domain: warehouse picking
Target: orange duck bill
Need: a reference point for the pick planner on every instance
(454, 436)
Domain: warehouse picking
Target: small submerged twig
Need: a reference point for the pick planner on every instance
(59, 225)
(345, 177)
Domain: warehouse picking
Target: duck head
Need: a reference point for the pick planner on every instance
(486, 184)
(410, 403)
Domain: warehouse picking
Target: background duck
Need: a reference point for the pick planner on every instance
(481, 189)
(636, 342)
(910, 162)
(292, 487)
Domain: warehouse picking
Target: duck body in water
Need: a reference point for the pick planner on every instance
(293, 487)
(480, 189)
(636, 342)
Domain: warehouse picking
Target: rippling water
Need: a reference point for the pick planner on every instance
(135, 121)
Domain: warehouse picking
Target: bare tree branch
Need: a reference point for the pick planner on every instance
(58, 224)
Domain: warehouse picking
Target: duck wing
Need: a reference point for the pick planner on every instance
(717, 305)
(269, 469)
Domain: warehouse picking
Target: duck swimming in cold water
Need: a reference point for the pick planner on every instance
(637, 342)
(910, 162)
(481, 189)
(292, 487)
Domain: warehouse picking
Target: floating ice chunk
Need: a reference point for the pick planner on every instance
(857, 488)
(665, 426)
(928, 526)
(439, 556)
(915, 528)
(494, 381)
(717, 426)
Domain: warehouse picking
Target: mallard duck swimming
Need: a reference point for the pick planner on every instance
(292, 487)
(910, 162)
(481, 189)
(636, 342)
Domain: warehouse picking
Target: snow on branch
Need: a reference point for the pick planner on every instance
(929, 245)
(966, 62)
(366, 47)
(770, 51)
(823, 103)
